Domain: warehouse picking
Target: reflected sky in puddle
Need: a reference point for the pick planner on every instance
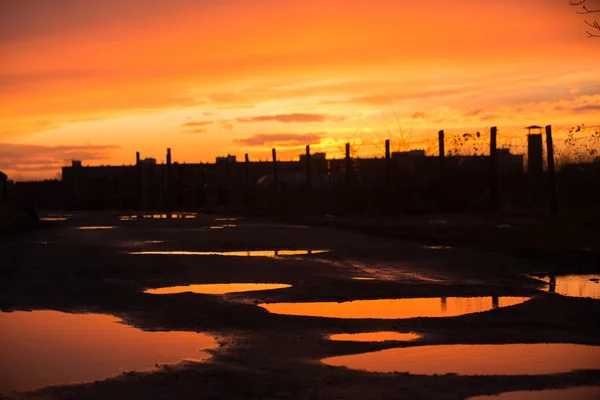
(480, 359)
(251, 253)
(363, 278)
(573, 285)
(437, 247)
(93, 228)
(53, 218)
(579, 393)
(223, 226)
(395, 308)
(218, 288)
(43, 348)
(158, 216)
(375, 336)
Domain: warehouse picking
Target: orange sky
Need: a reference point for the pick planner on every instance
(99, 80)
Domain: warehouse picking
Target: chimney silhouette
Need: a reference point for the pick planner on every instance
(169, 156)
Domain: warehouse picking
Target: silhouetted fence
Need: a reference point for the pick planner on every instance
(456, 172)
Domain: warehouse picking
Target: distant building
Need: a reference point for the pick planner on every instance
(315, 156)
(410, 153)
(227, 159)
(148, 161)
(3, 188)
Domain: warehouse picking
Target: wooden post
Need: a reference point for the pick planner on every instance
(493, 169)
(442, 170)
(308, 168)
(388, 165)
(535, 166)
(247, 171)
(348, 162)
(275, 177)
(249, 196)
(168, 183)
(551, 171)
(442, 152)
(137, 197)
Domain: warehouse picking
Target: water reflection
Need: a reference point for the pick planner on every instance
(218, 288)
(394, 308)
(43, 348)
(158, 216)
(579, 393)
(91, 228)
(53, 218)
(480, 359)
(438, 247)
(223, 226)
(573, 285)
(375, 336)
(250, 253)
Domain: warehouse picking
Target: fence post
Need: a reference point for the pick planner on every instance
(138, 183)
(168, 184)
(275, 176)
(535, 166)
(247, 171)
(308, 169)
(442, 169)
(348, 162)
(248, 182)
(388, 164)
(551, 171)
(493, 169)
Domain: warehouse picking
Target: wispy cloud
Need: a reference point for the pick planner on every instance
(193, 124)
(19, 158)
(287, 118)
(281, 139)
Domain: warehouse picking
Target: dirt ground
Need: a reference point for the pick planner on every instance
(269, 356)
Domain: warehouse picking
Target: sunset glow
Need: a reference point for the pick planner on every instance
(99, 81)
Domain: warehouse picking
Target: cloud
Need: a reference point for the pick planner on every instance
(225, 124)
(473, 113)
(281, 139)
(16, 159)
(192, 124)
(287, 118)
(589, 107)
(419, 114)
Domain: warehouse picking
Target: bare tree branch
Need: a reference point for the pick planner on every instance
(594, 24)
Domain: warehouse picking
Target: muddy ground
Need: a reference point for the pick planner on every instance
(268, 356)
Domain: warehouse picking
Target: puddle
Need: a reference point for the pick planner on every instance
(218, 288)
(375, 336)
(573, 285)
(438, 247)
(579, 393)
(158, 216)
(53, 218)
(395, 308)
(91, 228)
(225, 219)
(223, 226)
(361, 278)
(251, 253)
(43, 348)
(480, 359)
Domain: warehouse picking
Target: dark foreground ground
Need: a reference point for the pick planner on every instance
(267, 356)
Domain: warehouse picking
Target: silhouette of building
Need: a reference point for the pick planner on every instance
(229, 183)
(3, 188)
